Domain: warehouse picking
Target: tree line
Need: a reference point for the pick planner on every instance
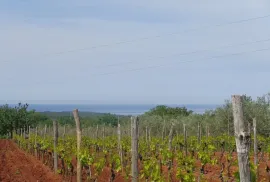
(219, 120)
(13, 119)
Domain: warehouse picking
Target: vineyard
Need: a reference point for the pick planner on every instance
(147, 150)
(189, 159)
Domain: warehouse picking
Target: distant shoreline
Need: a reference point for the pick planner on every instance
(119, 109)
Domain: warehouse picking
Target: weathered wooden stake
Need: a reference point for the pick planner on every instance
(79, 140)
(29, 131)
(228, 123)
(134, 149)
(119, 145)
(149, 135)
(255, 141)
(24, 134)
(199, 132)
(207, 131)
(249, 131)
(119, 136)
(36, 141)
(146, 135)
(49, 130)
(97, 132)
(55, 143)
(171, 136)
(242, 139)
(163, 129)
(103, 132)
(64, 133)
(185, 138)
(45, 130)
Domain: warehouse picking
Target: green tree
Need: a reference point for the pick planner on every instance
(108, 119)
(13, 119)
(162, 110)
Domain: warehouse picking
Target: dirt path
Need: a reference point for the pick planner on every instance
(17, 166)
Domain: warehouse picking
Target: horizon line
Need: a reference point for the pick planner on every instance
(166, 104)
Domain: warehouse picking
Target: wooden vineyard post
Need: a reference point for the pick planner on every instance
(242, 138)
(228, 124)
(255, 141)
(146, 134)
(36, 141)
(207, 131)
(21, 136)
(64, 133)
(120, 146)
(97, 132)
(24, 134)
(185, 139)
(138, 132)
(45, 130)
(79, 140)
(134, 149)
(103, 132)
(149, 135)
(29, 133)
(119, 136)
(171, 136)
(249, 131)
(103, 137)
(163, 129)
(199, 132)
(55, 143)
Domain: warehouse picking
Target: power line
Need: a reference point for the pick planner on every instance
(187, 53)
(175, 62)
(156, 36)
(163, 65)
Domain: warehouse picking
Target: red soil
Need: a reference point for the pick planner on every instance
(17, 166)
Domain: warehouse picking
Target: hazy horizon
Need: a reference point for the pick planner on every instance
(99, 103)
(123, 109)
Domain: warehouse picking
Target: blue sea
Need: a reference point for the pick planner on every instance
(114, 109)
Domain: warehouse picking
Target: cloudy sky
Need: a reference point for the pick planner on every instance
(137, 51)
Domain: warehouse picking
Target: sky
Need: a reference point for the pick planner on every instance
(133, 52)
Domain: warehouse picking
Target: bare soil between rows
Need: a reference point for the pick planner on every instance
(18, 166)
